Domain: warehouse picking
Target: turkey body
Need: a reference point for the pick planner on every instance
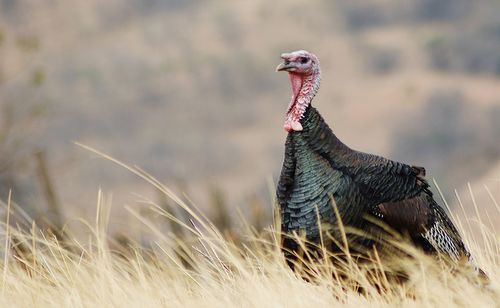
(320, 172)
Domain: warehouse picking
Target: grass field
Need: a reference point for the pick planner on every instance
(203, 268)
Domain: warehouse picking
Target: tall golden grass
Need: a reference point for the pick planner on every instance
(204, 268)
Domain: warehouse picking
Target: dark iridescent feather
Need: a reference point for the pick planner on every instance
(318, 167)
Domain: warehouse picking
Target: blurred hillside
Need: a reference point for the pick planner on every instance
(187, 91)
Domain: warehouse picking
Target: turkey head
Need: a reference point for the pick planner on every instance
(305, 75)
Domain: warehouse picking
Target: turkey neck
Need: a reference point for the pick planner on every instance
(304, 88)
(311, 126)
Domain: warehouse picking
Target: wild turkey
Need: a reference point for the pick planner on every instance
(318, 167)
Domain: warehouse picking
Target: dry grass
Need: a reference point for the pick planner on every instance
(206, 269)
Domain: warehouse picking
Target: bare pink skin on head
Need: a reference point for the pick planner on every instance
(305, 76)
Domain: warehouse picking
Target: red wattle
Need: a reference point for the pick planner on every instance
(295, 109)
(296, 82)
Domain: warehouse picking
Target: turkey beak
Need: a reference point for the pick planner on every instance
(285, 66)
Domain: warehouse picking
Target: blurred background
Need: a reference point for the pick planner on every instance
(187, 91)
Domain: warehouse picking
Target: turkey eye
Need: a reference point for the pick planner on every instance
(303, 60)
(286, 62)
